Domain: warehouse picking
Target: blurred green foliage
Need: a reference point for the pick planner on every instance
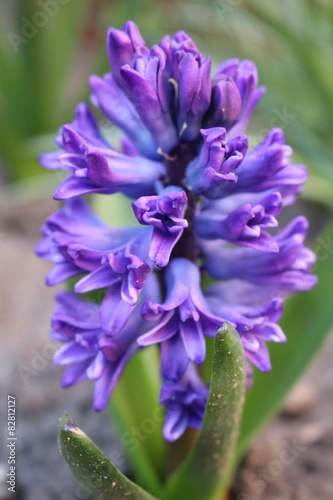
(45, 74)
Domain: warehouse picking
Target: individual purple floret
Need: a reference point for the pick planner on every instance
(94, 166)
(284, 272)
(185, 403)
(205, 207)
(121, 46)
(117, 107)
(88, 353)
(245, 77)
(268, 167)
(255, 324)
(216, 162)
(166, 214)
(244, 226)
(192, 81)
(183, 320)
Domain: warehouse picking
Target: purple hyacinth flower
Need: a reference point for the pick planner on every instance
(183, 320)
(255, 324)
(185, 403)
(166, 214)
(86, 350)
(216, 162)
(284, 273)
(243, 226)
(208, 207)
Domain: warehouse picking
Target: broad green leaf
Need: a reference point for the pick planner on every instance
(307, 319)
(92, 469)
(202, 474)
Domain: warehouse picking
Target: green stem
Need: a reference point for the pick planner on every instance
(139, 418)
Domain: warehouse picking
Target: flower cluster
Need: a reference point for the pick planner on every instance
(205, 206)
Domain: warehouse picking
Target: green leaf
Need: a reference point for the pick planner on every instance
(307, 319)
(92, 469)
(203, 471)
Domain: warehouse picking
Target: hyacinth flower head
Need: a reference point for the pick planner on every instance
(205, 204)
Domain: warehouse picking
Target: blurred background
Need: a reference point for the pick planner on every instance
(48, 48)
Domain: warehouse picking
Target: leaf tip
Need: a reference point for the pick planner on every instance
(223, 330)
(66, 423)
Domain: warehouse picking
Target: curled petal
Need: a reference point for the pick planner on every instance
(166, 214)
